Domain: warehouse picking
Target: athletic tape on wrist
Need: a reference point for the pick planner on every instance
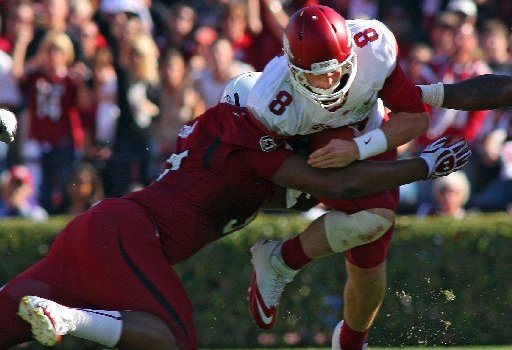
(371, 143)
(432, 94)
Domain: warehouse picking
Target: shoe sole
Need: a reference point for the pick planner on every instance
(42, 327)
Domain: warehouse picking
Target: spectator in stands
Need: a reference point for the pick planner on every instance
(179, 30)
(210, 82)
(466, 9)
(486, 161)
(442, 37)
(267, 20)
(83, 189)
(137, 8)
(417, 64)
(466, 61)
(179, 102)
(101, 121)
(451, 194)
(80, 14)
(234, 25)
(55, 95)
(204, 37)
(137, 98)
(120, 27)
(19, 20)
(496, 150)
(401, 25)
(90, 41)
(54, 18)
(495, 43)
(17, 198)
(131, 29)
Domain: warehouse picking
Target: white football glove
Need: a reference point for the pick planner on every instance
(8, 126)
(443, 159)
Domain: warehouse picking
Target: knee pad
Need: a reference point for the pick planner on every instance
(348, 231)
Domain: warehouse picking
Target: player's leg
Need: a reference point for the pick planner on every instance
(130, 272)
(363, 293)
(276, 262)
(111, 259)
(50, 321)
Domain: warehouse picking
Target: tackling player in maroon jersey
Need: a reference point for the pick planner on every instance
(112, 265)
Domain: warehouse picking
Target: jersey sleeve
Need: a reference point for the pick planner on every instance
(266, 164)
(400, 94)
(376, 49)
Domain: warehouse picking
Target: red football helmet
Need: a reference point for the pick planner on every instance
(317, 40)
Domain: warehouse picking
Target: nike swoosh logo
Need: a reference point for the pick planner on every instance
(367, 141)
(263, 316)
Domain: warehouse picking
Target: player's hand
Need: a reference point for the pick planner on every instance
(336, 154)
(443, 157)
(8, 126)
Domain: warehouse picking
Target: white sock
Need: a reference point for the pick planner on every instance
(101, 326)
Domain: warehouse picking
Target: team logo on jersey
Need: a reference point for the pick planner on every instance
(186, 130)
(267, 143)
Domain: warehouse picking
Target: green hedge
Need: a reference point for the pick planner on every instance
(448, 283)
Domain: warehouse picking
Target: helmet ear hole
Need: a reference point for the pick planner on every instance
(237, 90)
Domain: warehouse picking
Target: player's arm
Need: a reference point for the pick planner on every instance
(408, 116)
(488, 91)
(367, 177)
(408, 121)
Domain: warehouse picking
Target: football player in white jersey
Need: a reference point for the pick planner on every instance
(335, 73)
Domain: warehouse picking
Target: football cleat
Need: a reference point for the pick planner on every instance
(269, 278)
(336, 334)
(49, 321)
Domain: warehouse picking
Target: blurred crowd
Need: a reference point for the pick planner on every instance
(101, 88)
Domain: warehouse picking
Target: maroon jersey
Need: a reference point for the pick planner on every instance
(215, 182)
(110, 258)
(54, 117)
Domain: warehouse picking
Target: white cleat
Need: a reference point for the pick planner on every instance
(49, 321)
(336, 337)
(270, 276)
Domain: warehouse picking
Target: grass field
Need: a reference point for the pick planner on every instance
(500, 347)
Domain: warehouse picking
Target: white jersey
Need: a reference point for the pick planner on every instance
(274, 101)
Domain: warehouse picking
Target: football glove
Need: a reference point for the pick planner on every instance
(8, 126)
(443, 158)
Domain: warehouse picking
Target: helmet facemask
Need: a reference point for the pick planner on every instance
(333, 96)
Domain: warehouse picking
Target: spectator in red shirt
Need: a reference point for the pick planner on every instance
(54, 95)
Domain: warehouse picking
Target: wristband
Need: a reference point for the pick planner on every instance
(432, 94)
(371, 143)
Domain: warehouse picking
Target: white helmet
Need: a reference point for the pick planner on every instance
(237, 89)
